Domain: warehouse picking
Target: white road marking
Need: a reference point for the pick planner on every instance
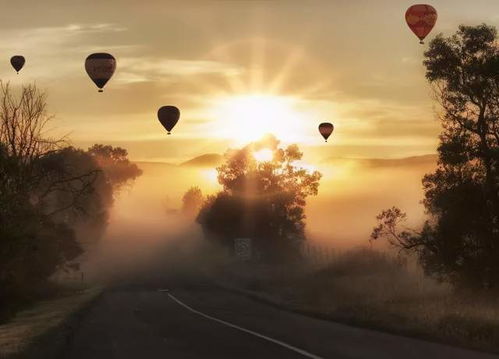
(275, 341)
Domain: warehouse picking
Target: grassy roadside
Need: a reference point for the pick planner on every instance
(26, 335)
(373, 290)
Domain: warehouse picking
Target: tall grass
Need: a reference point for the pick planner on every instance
(380, 290)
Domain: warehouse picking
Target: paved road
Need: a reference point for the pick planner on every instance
(199, 321)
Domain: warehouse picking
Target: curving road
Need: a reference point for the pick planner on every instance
(200, 321)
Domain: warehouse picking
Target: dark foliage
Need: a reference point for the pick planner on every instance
(262, 200)
(460, 242)
(192, 201)
(115, 163)
(46, 190)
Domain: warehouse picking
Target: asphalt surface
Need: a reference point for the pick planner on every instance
(200, 321)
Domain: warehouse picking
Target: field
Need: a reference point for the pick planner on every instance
(378, 290)
(28, 331)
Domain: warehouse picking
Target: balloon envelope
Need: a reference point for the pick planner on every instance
(326, 129)
(421, 18)
(168, 116)
(100, 67)
(17, 62)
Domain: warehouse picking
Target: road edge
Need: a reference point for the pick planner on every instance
(350, 322)
(53, 343)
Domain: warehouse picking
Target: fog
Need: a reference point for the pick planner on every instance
(353, 192)
(146, 229)
(146, 224)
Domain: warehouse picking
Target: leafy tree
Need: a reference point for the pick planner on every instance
(460, 241)
(192, 201)
(262, 200)
(85, 204)
(115, 164)
(47, 191)
(32, 243)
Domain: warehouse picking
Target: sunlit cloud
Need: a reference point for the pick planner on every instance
(143, 69)
(44, 39)
(87, 28)
(58, 51)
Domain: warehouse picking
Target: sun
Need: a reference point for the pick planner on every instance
(248, 117)
(263, 155)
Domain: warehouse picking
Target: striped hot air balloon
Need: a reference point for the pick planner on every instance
(100, 67)
(421, 19)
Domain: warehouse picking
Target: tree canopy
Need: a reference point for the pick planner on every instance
(192, 201)
(460, 241)
(47, 189)
(261, 199)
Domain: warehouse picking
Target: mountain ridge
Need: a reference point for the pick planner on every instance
(215, 159)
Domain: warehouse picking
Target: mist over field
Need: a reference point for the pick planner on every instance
(146, 226)
(147, 216)
(353, 192)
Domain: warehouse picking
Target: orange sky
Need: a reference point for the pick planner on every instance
(236, 69)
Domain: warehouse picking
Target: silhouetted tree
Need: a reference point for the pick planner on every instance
(192, 201)
(46, 190)
(262, 200)
(32, 243)
(460, 242)
(85, 205)
(115, 164)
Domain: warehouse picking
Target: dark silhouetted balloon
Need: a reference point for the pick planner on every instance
(100, 67)
(326, 129)
(17, 62)
(421, 19)
(168, 116)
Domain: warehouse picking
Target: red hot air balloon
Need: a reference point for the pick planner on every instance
(326, 129)
(421, 18)
(17, 62)
(168, 116)
(100, 67)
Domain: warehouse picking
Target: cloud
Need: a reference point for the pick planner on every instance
(86, 28)
(45, 39)
(58, 51)
(145, 69)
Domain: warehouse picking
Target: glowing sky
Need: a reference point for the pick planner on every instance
(354, 63)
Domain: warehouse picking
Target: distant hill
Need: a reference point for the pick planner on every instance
(153, 166)
(207, 160)
(423, 160)
(213, 160)
(398, 162)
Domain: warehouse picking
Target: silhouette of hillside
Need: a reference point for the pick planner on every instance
(206, 160)
(213, 160)
(423, 160)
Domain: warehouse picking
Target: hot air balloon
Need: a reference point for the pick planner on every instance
(100, 67)
(421, 19)
(326, 129)
(17, 62)
(168, 116)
